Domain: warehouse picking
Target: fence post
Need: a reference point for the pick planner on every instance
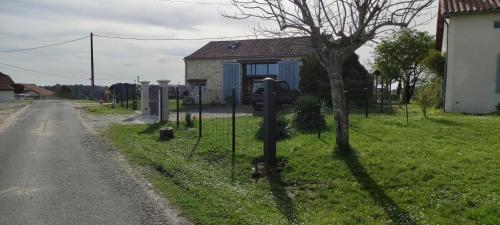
(160, 105)
(319, 117)
(164, 106)
(346, 94)
(366, 102)
(269, 123)
(126, 85)
(199, 113)
(233, 138)
(177, 103)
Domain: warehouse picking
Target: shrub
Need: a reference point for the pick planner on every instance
(282, 129)
(498, 108)
(309, 113)
(427, 95)
(189, 120)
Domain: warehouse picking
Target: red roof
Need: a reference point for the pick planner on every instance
(6, 82)
(450, 7)
(40, 91)
(255, 48)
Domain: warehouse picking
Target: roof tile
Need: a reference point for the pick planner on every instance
(255, 48)
(450, 7)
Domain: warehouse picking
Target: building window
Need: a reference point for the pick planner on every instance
(261, 69)
(496, 24)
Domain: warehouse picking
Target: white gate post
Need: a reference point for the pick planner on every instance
(164, 100)
(145, 97)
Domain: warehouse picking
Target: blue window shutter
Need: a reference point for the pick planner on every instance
(230, 79)
(289, 72)
(498, 73)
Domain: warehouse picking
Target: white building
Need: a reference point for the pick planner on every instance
(469, 32)
(6, 89)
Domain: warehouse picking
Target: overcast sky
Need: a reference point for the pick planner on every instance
(31, 23)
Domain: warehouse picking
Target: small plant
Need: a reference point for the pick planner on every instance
(189, 120)
(282, 129)
(427, 96)
(309, 113)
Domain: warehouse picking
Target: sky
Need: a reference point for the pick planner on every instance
(32, 23)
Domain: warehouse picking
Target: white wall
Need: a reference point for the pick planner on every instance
(473, 49)
(6, 96)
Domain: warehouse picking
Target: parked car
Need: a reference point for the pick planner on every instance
(284, 95)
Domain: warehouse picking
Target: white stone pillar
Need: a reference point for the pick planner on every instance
(164, 100)
(145, 97)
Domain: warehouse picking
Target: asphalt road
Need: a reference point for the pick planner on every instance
(53, 172)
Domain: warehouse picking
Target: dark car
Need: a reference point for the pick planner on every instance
(284, 95)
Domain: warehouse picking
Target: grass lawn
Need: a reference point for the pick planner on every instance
(108, 108)
(444, 170)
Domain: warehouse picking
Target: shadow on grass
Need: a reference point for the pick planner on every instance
(442, 121)
(284, 202)
(396, 213)
(360, 131)
(151, 128)
(194, 148)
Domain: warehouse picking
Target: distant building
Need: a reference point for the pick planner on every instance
(222, 65)
(6, 88)
(35, 92)
(469, 32)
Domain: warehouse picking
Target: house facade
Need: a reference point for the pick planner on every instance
(221, 65)
(6, 88)
(469, 33)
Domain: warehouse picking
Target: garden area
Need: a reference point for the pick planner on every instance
(439, 170)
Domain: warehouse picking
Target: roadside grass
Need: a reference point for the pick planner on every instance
(442, 170)
(107, 108)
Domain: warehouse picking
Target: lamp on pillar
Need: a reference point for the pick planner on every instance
(163, 101)
(145, 97)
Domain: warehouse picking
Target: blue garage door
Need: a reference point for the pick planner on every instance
(231, 78)
(289, 72)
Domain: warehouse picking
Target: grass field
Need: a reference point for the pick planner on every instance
(444, 170)
(108, 108)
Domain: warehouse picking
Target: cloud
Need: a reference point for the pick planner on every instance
(28, 23)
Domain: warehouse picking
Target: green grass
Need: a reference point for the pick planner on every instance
(107, 108)
(444, 170)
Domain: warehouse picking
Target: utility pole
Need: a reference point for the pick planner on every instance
(92, 58)
(138, 81)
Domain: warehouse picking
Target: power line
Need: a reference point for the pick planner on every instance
(45, 46)
(59, 75)
(195, 2)
(172, 39)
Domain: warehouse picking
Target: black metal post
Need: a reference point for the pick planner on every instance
(199, 113)
(92, 59)
(347, 105)
(319, 117)
(366, 102)
(382, 96)
(269, 123)
(126, 89)
(177, 103)
(233, 138)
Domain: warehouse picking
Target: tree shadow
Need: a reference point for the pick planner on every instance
(442, 121)
(280, 195)
(366, 134)
(194, 148)
(395, 212)
(151, 128)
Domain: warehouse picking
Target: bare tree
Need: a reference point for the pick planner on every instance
(337, 29)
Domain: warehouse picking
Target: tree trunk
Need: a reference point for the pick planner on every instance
(334, 69)
(398, 92)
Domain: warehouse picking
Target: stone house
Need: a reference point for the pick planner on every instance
(219, 66)
(469, 32)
